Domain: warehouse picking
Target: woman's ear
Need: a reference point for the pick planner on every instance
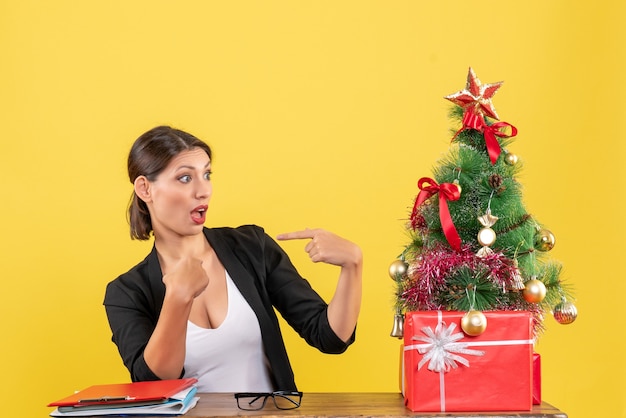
(142, 188)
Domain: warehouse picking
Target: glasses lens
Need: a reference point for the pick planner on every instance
(287, 400)
(252, 401)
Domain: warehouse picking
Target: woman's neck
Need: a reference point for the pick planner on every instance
(173, 248)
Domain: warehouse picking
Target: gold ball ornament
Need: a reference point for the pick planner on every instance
(398, 269)
(544, 240)
(458, 185)
(565, 313)
(474, 323)
(510, 158)
(534, 291)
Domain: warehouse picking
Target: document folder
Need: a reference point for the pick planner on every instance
(126, 394)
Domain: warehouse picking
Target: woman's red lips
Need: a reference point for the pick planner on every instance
(198, 215)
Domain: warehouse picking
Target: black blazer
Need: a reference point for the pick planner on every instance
(264, 275)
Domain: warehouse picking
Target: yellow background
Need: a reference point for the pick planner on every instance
(320, 113)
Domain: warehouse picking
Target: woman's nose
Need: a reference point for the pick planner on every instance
(204, 189)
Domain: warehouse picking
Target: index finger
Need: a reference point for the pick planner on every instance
(304, 234)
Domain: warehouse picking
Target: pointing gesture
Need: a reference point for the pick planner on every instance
(326, 247)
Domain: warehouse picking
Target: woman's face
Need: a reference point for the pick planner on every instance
(179, 197)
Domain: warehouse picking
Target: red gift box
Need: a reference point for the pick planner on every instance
(447, 371)
(536, 379)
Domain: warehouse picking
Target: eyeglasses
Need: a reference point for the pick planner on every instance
(252, 401)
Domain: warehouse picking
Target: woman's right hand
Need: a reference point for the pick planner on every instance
(187, 279)
(165, 352)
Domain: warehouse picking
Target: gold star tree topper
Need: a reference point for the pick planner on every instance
(476, 98)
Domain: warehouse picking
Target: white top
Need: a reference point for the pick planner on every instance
(229, 358)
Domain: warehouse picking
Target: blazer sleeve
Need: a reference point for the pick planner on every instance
(132, 311)
(298, 303)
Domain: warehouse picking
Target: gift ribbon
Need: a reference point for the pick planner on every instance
(442, 343)
(442, 348)
(490, 132)
(447, 191)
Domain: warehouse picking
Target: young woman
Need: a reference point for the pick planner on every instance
(202, 303)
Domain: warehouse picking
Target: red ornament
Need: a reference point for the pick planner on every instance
(476, 101)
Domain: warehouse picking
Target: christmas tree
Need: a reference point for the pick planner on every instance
(473, 246)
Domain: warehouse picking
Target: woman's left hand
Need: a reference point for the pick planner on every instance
(326, 247)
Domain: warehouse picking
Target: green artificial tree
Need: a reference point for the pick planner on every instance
(473, 246)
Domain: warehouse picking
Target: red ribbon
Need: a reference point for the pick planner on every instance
(447, 191)
(474, 120)
(471, 120)
(490, 132)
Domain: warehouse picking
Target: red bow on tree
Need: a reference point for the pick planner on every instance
(490, 132)
(473, 121)
(447, 191)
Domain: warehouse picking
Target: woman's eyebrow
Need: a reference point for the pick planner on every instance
(190, 167)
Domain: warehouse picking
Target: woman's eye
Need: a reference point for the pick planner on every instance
(207, 175)
(184, 179)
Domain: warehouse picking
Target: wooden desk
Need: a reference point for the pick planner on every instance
(344, 405)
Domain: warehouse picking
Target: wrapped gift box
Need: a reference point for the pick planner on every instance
(536, 379)
(447, 371)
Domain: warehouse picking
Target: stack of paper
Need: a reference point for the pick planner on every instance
(161, 397)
